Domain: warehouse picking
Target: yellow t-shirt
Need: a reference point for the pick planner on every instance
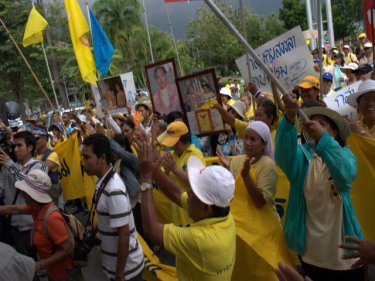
(205, 251)
(265, 172)
(249, 114)
(364, 126)
(179, 215)
(53, 157)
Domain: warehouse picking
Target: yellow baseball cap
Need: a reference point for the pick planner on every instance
(173, 133)
(309, 82)
(362, 35)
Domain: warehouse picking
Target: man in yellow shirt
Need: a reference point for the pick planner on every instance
(178, 137)
(204, 251)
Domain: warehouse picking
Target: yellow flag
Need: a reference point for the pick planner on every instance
(70, 173)
(34, 27)
(78, 28)
(363, 192)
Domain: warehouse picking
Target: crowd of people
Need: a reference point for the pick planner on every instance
(219, 221)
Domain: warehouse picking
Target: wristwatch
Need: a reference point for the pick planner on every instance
(145, 186)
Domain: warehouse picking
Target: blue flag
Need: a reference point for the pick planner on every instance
(103, 49)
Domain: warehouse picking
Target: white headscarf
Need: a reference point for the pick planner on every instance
(264, 132)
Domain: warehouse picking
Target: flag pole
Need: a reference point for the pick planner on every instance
(320, 43)
(50, 76)
(27, 64)
(174, 39)
(249, 49)
(148, 32)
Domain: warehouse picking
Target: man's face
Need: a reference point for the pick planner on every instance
(363, 40)
(368, 51)
(89, 161)
(346, 51)
(65, 119)
(161, 78)
(23, 153)
(41, 141)
(144, 111)
(326, 86)
(309, 94)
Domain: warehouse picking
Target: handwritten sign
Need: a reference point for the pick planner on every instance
(338, 103)
(288, 57)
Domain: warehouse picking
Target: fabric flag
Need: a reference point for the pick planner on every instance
(70, 173)
(33, 31)
(363, 192)
(367, 5)
(103, 49)
(78, 28)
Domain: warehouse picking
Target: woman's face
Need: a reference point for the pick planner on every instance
(253, 144)
(128, 132)
(161, 78)
(260, 115)
(119, 122)
(366, 106)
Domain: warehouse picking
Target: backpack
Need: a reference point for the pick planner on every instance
(54, 176)
(75, 231)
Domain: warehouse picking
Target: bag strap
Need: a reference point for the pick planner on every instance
(46, 154)
(97, 194)
(50, 210)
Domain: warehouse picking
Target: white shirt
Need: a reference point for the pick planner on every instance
(113, 211)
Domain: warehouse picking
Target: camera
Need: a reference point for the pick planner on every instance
(85, 246)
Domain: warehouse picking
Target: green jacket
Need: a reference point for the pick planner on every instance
(294, 160)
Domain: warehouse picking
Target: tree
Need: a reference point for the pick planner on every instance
(293, 13)
(346, 16)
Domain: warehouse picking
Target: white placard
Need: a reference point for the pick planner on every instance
(337, 101)
(287, 55)
(127, 80)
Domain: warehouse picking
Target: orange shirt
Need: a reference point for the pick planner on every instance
(57, 233)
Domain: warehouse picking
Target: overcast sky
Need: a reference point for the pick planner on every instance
(183, 12)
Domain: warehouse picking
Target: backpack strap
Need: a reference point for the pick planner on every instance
(50, 210)
(46, 154)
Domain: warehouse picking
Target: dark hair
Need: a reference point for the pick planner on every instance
(100, 145)
(28, 138)
(160, 68)
(129, 122)
(333, 125)
(186, 139)
(66, 113)
(219, 211)
(269, 109)
(123, 141)
(173, 116)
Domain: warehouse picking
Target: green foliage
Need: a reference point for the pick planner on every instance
(346, 15)
(216, 46)
(293, 13)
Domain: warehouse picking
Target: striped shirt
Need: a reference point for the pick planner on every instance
(113, 211)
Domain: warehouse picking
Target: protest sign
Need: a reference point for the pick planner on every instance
(128, 85)
(338, 103)
(287, 55)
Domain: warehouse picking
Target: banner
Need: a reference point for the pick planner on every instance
(70, 173)
(288, 57)
(337, 101)
(128, 85)
(367, 5)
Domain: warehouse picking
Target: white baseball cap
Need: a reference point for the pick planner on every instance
(346, 47)
(363, 88)
(37, 185)
(213, 185)
(240, 108)
(226, 92)
(82, 118)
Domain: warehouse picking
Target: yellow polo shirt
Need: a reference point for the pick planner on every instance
(371, 131)
(179, 215)
(53, 157)
(205, 251)
(249, 114)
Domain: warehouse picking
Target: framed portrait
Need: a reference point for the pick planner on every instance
(112, 94)
(197, 90)
(161, 77)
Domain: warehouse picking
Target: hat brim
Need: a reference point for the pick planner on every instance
(341, 123)
(194, 169)
(167, 140)
(142, 104)
(228, 95)
(306, 85)
(36, 195)
(353, 98)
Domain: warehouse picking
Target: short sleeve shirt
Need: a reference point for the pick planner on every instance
(205, 251)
